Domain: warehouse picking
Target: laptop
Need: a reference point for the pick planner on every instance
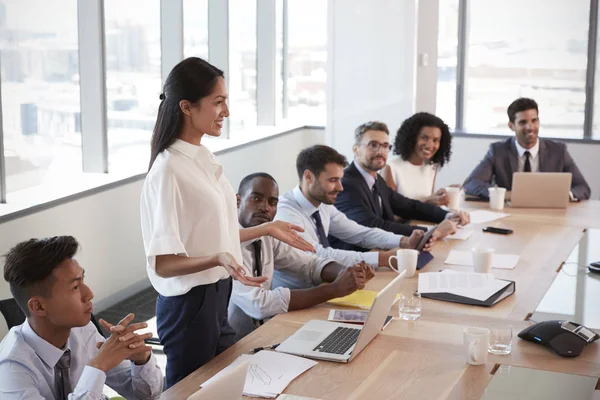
(540, 189)
(227, 385)
(339, 342)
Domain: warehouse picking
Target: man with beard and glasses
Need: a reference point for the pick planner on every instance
(524, 152)
(368, 200)
(257, 200)
(310, 206)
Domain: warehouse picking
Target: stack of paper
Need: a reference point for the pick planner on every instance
(467, 284)
(483, 216)
(361, 299)
(501, 261)
(269, 372)
(461, 234)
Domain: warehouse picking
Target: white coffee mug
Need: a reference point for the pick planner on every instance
(455, 196)
(497, 198)
(476, 341)
(482, 259)
(406, 260)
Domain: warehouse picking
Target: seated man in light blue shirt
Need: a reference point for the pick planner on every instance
(57, 353)
(310, 206)
(304, 272)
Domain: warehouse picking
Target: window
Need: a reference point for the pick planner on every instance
(133, 81)
(446, 61)
(195, 28)
(40, 91)
(242, 65)
(307, 60)
(596, 116)
(539, 51)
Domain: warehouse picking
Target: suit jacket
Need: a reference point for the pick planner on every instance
(502, 160)
(357, 202)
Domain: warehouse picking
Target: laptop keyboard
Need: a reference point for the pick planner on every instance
(338, 341)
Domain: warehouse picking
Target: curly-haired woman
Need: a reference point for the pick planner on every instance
(423, 145)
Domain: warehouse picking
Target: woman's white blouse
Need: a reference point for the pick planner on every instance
(413, 181)
(188, 207)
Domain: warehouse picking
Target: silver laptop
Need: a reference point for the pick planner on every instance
(226, 385)
(540, 189)
(333, 341)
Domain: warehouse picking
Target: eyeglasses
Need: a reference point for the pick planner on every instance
(375, 146)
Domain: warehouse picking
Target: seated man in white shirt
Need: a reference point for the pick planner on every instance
(310, 206)
(57, 353)
(249, 306)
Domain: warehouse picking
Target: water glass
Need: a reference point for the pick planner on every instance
(410, 306)
(500, 339)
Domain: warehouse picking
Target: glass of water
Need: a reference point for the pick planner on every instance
(500, 339)
(410, 306)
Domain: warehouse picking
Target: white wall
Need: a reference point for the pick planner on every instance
(371, 66)
(107, 224)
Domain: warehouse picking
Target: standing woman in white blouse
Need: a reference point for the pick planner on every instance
(423, 145)
(189, 221)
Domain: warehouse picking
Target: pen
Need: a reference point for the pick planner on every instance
(272, 347)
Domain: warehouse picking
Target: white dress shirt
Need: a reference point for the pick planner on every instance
(27, 368)
(534, 158)
(413, 181)
(368, 178)
(189, 208)
(294, 269)
(295, 208)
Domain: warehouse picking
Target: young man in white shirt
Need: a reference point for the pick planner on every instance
(310, 206)
(57, 353)
(249, 306)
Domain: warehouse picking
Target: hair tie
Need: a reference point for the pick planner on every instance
(162, 96)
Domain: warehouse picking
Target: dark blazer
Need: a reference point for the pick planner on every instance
(502, 160)
(357, 202)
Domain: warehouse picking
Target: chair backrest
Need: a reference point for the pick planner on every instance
(12, 315)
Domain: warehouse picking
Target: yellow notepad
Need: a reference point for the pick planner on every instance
(361, 299)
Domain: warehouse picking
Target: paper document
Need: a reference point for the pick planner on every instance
(269, 372)
(461, 234)
(467, 284)
(483, 216)
(501, 261)
(361, 298)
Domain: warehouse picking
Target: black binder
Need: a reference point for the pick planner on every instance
(501, 294)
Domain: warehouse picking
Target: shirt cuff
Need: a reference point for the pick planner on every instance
(165, 245)
(145, 371)
(91, 381)
(572, 197)
(316, 274)
(393, 241)
(372, 258)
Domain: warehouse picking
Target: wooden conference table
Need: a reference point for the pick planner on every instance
(424, 359)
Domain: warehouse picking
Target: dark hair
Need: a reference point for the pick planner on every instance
(520, 104)
(406, 137)
(248, 179)
(315, 159)
(29, 265)
(191, 80)
(369, 126)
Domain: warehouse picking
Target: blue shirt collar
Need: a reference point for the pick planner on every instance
(368, 177)
(305, 206)
(46, 351)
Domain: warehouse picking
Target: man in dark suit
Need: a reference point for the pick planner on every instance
(368, 200)
(524, 152)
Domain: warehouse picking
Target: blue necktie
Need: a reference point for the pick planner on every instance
(320, 230)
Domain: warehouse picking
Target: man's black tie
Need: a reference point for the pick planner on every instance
(375, 191)
(320, 230)
(527, 162)
(62, 376)
(257, 257)
(257, 270)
